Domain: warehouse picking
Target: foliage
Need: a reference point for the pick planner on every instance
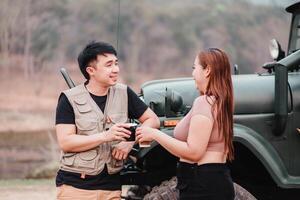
(152, 36)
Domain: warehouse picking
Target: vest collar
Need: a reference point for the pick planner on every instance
(102, 115)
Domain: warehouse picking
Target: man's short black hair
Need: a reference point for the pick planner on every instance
(90, 53)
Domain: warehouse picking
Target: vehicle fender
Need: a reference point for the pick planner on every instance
(268, 156)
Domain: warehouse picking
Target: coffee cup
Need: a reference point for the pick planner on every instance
(132, 129)
(144, 144)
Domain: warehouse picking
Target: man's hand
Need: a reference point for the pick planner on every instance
(121, 150)
(117, 132)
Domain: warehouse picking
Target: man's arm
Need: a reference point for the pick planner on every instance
(137, 109)
(69, 141)
(149, 118)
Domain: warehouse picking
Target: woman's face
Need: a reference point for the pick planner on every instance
(200, 75)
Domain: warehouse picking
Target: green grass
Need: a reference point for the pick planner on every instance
(25, 182)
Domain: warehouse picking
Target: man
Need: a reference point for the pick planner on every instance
(91, 127)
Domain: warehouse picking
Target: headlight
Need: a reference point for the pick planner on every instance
(274, 49)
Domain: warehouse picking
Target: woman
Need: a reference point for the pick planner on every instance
(203, 138)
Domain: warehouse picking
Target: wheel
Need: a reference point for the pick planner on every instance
(167, 191)
(241, 193)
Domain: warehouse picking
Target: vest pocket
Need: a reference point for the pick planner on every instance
(86, 159)
(119, 118)
(117, 163)
(68, 159)
(114, 165)
(82, 105)
(86, 126)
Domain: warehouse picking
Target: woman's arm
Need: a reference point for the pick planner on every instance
(195, 146)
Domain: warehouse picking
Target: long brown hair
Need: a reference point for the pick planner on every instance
(220, 87)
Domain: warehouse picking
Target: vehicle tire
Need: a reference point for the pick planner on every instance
(241, 193)
(167, 191)
(137, 192)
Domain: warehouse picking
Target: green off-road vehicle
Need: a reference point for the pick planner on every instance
(266, 129)
(266, 126)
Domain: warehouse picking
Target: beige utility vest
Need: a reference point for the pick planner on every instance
(89, 119)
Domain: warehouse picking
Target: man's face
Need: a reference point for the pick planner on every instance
(105, 70)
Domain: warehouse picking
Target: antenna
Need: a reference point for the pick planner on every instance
(67, 78)
(118, 25)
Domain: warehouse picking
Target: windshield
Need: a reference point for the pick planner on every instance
(294, 43)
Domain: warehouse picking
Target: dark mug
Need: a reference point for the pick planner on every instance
(132, 130)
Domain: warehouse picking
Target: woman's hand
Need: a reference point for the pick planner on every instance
(145, 134)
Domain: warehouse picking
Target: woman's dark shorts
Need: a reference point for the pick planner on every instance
(210, 181)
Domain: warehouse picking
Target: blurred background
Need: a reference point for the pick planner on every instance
(155, 39)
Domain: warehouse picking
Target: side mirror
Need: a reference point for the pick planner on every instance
(236, 69)
(275, 50)
(173, 103)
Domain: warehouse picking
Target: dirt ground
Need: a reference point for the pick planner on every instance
(31, 189)
(27, 189)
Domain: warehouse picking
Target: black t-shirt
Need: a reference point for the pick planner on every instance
(65, 112)
(102, 181)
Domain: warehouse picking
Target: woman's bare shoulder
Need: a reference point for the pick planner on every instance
(204, 100)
